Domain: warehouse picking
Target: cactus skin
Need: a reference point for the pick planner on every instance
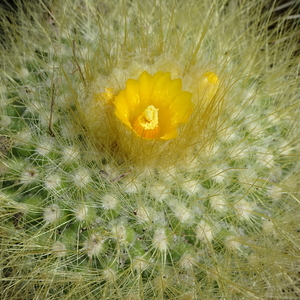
(82, 217)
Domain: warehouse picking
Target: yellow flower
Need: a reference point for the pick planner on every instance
(153, 106)
(208, 85)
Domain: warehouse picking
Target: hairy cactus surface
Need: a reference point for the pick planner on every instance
(150, 150)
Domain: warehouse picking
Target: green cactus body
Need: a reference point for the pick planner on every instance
(82, 217)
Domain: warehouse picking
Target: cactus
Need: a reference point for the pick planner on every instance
(150, 150)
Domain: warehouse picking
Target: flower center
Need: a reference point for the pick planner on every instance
(149, 118)
(146, 124)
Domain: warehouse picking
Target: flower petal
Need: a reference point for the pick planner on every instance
(146, 84)
(177, 112)
(122, 110)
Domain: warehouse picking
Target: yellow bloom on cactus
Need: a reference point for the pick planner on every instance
(209, 84)
(154, 106)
